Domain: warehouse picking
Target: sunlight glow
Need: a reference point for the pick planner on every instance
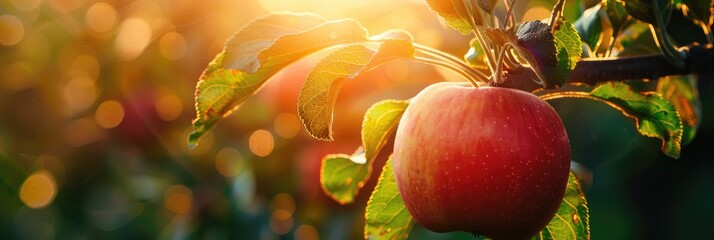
(38, 190)
(25, 5)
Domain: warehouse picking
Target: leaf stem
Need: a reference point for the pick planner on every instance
(555, 15)
(486, 46)
(451, 67)
(453, 60)
(509, 20)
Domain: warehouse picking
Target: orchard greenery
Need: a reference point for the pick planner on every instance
(535, 56)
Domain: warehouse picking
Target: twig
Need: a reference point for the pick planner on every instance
(698, 59)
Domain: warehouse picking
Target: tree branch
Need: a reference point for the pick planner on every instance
(699, 59)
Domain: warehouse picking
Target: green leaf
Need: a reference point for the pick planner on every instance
(647, 11)
(247, 62)
(636, 40)
(569, 47)
(617, 16)
(241, 50)
(341, 175)
(682, 92)
(457, 14)
(386, 217)
(590, 27)
(700, 11)
(572, 220)
(476, 56)
(319, 92)
(654, 116)
(536, 44)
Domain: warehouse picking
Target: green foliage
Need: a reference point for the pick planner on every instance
(386, 217)
(241, 49)
(458, 14)
(650, 10)
(572, 220)
(682, 92)
(636, 40)
(319, 93)
(700, 11)
(601, 25)
(569, 48)
(590, 27)
(250, 59)
(654, 116)
(617, 16)
(475, 56)
(341, 175)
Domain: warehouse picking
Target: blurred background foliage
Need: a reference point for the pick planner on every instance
(96, 99)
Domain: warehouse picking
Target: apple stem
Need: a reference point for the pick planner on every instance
(497, 76)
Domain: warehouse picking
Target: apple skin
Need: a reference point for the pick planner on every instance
(491, 161)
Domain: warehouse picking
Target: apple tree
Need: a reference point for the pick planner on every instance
(496, 161)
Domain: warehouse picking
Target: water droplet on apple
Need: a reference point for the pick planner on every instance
(348, 181)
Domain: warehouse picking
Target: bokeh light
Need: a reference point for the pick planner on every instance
(283, 206)
(38, 190)
(173, 45)
(536, 13)
(261, 143)
(306, 232)
(11, 30)
(109, 114)
(229, 162)
(100, 17)
(133, 37)
(178, 199)
(287, 125)
(168, 107)
(80, 93)
(86, 65)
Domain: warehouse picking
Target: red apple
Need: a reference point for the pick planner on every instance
(491, 161)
